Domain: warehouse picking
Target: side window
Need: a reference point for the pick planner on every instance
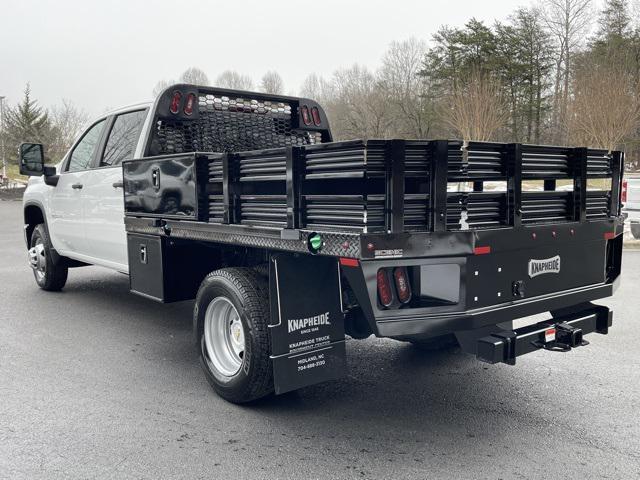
(83, 153)
(123, 138)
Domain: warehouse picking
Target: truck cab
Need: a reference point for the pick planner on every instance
(81, 204)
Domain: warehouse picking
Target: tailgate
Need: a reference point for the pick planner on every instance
(530, 272)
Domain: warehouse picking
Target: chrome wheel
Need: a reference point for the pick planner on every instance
(38, 260)
(224, 336)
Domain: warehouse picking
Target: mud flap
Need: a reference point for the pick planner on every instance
(307, 323)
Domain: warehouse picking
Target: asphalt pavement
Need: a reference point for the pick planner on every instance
(98, 383)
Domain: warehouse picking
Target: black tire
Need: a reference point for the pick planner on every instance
(635, 230)
(248, 292)
(442, 342)
(54, 276)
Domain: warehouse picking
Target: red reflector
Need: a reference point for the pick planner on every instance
(175, 102)
(315, 113)
(349, 262)
(190, 104)
(306, 118)
(550, 335)
(623, 192)
(609, 235)
(403, 287)
(384, 288)
(481, 250)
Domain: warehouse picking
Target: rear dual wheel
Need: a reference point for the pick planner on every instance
(231, 317)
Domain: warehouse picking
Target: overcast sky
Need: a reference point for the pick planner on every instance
(107, 54)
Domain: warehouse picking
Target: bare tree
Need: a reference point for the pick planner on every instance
(316, 88)
(161, 85)
(475, 109)
(604, 113)
(407, 90)
(195, 76)
(234, 80)
(272, 83)
(568, 21)
(635, 13)
(67, 122)
(359, 108)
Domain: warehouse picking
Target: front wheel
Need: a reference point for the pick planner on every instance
(231, 318)
(49, 276)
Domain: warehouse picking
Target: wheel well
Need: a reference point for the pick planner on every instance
(33, 216)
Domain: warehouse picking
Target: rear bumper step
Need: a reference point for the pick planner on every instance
(561, 333)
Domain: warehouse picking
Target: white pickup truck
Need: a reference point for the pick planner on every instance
(631, 201)
(288, 240)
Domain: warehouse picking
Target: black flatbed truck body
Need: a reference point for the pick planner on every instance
(377, 204)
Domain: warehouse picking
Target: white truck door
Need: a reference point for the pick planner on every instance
(66, 203)
(104, 196)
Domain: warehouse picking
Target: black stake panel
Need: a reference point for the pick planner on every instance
(307, 324)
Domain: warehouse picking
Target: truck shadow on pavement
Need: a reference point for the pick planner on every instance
(387, 381)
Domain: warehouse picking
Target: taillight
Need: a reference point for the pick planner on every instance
(175, 102)
(623, 192)
(306, 118)
(403, 287)
(189, 104)
(315, 113)
(385, 292)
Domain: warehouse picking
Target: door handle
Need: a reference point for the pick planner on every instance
(77, 186)
(155, 178)
(119, 184)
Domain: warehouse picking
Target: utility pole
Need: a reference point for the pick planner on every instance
(4, 164)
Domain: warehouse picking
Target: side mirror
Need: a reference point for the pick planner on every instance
(31, 159)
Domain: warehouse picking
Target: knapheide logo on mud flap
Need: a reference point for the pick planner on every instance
(540, 267)
(301, 323)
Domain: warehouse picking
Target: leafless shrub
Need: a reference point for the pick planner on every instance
(605, 109)
(475, 109)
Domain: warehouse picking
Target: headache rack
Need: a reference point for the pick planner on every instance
(249, 167)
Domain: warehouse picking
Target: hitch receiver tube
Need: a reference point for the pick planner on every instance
(504, 346)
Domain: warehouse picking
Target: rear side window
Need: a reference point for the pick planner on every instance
(83, 153)
(123, 138)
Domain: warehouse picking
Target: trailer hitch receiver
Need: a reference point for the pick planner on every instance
(559, 334)
(569, 335)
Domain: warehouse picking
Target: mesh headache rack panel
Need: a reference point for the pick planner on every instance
(229, 121)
